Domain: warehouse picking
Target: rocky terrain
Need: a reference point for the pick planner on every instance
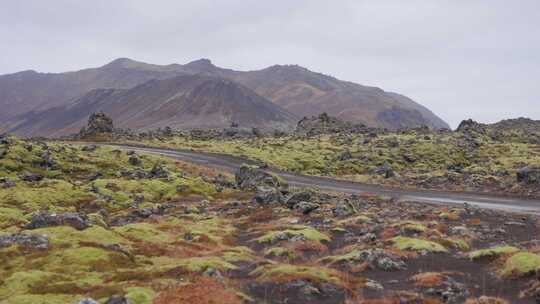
(199, 94)
(499, 158)
(89, 224)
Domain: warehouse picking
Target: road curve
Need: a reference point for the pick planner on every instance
(231, 163)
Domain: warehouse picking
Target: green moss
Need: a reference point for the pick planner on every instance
(66, 235)
(280, 273)
(309, 233)
(520, 264)
(495, 251)
(405, 243)
(238, 254)
(140, 295)
(153, 190)
(144, 232)
(10, 217)
(354, 255)
(47, 193)
(200, 264)
(84, 259)
(414, 227)
(213, 228)
(280, 252)
(42, 299)
(460, 244)
(23, 282)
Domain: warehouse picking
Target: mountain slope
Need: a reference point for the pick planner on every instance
(29, 90)
(188, 101)
(296, 89)
(306, 93)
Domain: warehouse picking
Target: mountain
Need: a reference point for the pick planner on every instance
(306, 93)
(295, 89)
(187, 101)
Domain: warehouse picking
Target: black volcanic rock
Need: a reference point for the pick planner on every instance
(99, 123)
(325, 124)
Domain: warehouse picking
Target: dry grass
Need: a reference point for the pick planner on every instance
(429, 279)
(200, 291)
(486, 300)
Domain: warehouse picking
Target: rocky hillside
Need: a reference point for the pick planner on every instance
(190, 101)
(28, 95)
(88, 225)
(497, 158)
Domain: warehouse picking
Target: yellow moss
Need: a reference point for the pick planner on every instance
(347, 257)
(520, 264)
(309, 233)
(84, 259)
(22, 282)
(10, 217)
(414, 227)
(200, 264)
(67, 235)
(239, 254)
(281, 273)
(140, 295)
(495, 251)
(47, 193)
(144, 232)
(405, 243)
(457, 243)
(280, 252)
(42, 299)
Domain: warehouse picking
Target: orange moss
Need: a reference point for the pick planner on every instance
(486, 300)
(475, 221)
(201, 291)
(429, 279)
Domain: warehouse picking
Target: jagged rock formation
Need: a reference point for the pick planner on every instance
(325, 124)
(99, 123)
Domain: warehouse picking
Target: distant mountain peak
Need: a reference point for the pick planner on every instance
(121, 61)
(203, 65)
(127, 63)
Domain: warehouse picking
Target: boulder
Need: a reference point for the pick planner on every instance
(385, 170)
(87, 301)
(134, 160)
(528, 175)
(344, 208)
(3, 152)
(99, 123)
(344, 155)
(5, 183)
(158, 171)
(45, 160)
(306, 207)
(89, 148)
(268, 195)
(221, 180)
(4, 139)
(78, 221)
(36, 241)
(118, 299)
(250, 177)
(325, 124)
(297, 197)
(30, 177)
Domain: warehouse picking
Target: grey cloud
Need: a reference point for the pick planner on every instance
(461, 58)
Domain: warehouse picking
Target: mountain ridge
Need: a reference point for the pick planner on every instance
(294, 88)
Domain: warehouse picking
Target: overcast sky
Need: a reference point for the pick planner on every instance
(462, 59)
